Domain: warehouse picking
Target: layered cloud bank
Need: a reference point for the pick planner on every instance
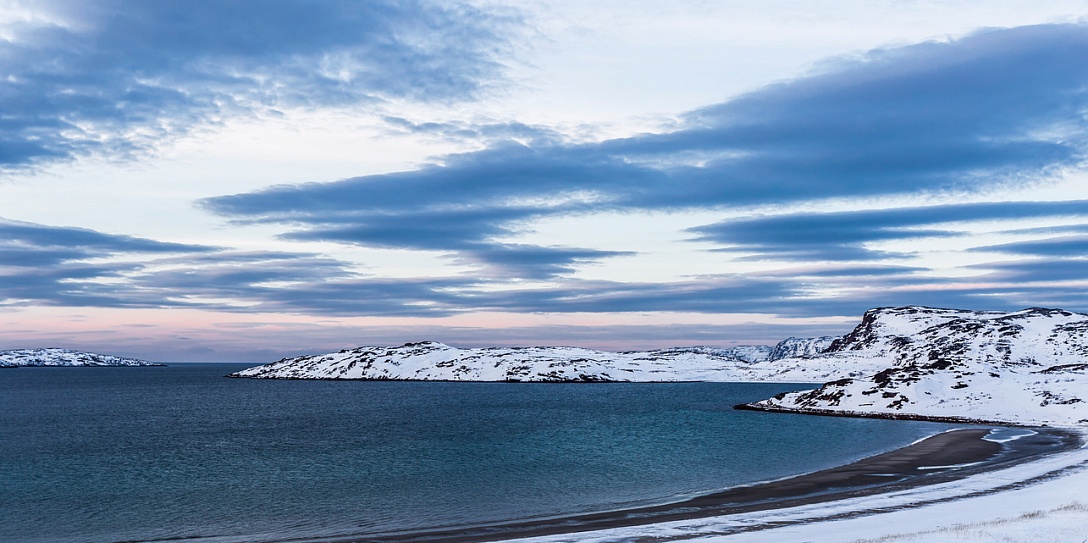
(118, 78)
(944, 173)
(995, 109)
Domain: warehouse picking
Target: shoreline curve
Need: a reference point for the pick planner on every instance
(944, 457)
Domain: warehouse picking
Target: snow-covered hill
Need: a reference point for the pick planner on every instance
(1028, 367)
(64, 357)
(431, 361)
(795, 347)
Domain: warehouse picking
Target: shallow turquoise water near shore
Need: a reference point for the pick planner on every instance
(141, 454)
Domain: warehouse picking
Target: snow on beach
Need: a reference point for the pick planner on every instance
(1022, 368)
(1041, 501)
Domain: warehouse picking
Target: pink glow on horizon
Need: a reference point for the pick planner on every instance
(179, 335)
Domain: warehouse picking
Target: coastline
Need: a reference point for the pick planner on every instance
(942, 458)
(817, 412)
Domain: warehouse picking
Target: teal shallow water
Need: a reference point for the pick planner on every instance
(143, 454)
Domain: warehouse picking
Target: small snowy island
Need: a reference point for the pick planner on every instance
(64, 358)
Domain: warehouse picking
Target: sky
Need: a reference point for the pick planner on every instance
(243, 181)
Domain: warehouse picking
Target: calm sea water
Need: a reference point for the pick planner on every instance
(143, 454)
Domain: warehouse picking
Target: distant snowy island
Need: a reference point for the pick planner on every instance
(1023, 367)
(432, 361)
(63, 357)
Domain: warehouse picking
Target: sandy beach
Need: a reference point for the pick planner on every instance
(941, 459)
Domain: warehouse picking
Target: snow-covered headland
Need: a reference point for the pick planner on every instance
(63, 357)
(1026, 367)
(432, 361)
(1023, 368)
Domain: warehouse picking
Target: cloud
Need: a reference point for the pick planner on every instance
(850, 271)
(843, 235)
(1056, 247)
(66, 266)
(519, 261)
(993, 108)
(1040, 271)
(82, 268)
(63, 264)
(77, 267)
(118, 76)
(291, 283)
(963, 116)
(33, 245)
(225, 285)
(491, 132)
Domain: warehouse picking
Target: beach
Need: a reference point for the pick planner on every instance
(1037, 500)
(933, 467)
(1044, 500)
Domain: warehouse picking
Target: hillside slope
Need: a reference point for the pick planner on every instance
(432, 361)
(1028, 366)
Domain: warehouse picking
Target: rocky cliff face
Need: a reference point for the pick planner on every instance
(1027, 366)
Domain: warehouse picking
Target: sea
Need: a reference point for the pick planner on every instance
(183, 453)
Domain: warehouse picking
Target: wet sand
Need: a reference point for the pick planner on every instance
(944, 457)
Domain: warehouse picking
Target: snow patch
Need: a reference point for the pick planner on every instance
(1005, 435)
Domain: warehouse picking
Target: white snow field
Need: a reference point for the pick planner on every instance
(432, 361)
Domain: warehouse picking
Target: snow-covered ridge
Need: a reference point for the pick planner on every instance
(432, 361)
(1028, 367)
(1025, 367)
(794, 347)
(64, 357)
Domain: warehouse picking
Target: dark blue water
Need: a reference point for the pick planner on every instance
(139, 454)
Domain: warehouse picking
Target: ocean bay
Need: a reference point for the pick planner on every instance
(136, 454)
